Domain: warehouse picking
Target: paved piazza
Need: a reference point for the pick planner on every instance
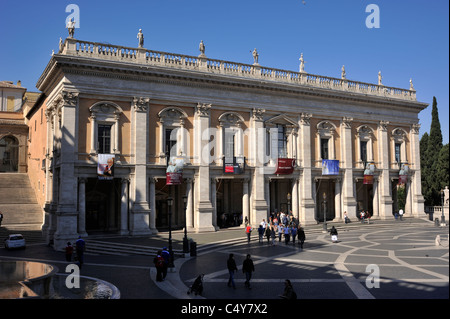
(405, 255)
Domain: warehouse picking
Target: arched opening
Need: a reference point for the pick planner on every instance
(9, 154)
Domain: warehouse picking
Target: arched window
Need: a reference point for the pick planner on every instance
(105, 127)
(364, 135)
(172, 133)
(230, 138)
(9, 154)
(398, 147)
(325, 141)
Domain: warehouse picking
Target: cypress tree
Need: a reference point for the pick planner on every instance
(424, 168)
(433, 148)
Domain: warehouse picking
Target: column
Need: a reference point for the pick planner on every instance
(307, 203)
(116, 134)
(152, 202)
(203, 209)
(214, 202)
(337, 200)
(93, 135)
(66, 211)
(295, 197)
(82, 206)
(259, 203)
(189, 205)
(384, 182)
(140, 210)
(124, 207)
(375, 203)
(245, 201)
(349, 199)
(418, 201)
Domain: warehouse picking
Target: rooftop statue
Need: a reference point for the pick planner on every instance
(71, 27)
(140, 36)
(201, 47)
(302, 64)
(255, 56)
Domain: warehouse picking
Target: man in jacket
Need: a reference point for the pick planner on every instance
(247, 269)
(231, 265)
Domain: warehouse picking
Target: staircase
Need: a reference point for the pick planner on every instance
(18, 202)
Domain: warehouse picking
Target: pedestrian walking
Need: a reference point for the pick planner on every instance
(286, 234)
(159, 264)
(294, 233)
(69, 251)
(80, 247)
(268, 233)
(231, 265)
(280, 231)
(289, 292)
(346, 219)
(260, 233)
(273, 235)
(301, 237)
(248, 231)
(248, 268)
(362, 215)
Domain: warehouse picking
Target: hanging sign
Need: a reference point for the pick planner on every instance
(368, 174)
(403, 174)
(105, 166)
(234, 165)
(330, 167)
(285, 166)
(174, 171)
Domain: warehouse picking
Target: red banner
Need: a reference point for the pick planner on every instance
(368, 180)
(285, 166)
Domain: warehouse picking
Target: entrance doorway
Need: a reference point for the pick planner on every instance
(103, 205)
(9, 154)
(325, 200)
(229, 193)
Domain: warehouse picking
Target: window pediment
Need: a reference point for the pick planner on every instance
(281, 119)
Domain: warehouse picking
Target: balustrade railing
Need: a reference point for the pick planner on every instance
(158, 58)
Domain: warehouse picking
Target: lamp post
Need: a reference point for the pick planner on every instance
(170, 203)
(185, 239)
(324, 196)
(442, 204)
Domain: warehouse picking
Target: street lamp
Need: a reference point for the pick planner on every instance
(185, 239)
(442, 204)
(170, 203)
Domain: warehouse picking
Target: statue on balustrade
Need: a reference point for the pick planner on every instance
(201, 47)
(140, 36)
(255, 56)
(71, 27)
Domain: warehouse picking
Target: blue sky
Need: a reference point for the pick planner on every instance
(411, 42)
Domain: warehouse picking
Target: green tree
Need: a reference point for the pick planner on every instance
(442, 173)
(434, 146)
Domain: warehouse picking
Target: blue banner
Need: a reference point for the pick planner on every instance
(330, 167)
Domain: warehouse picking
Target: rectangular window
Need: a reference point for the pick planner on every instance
(169, 144)
(229, 143)
(324, 148)
(397, 152)
(363, 150)
(104, 139)
(282, 141)
(10, 104)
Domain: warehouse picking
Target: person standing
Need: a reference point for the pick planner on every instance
(248, 268)
(248, 231)
(293, 233)
(268, 233)
(400, 213)
(166, 256)
(80, 247)
(1, 218)
(287, 235)
(69, 251)
(231, 265)
(260, 233)
(159, 264)
(301, 236)
(289, 292)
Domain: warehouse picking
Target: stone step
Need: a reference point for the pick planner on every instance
(121, 249)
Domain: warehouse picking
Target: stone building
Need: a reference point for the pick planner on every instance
(251, 140)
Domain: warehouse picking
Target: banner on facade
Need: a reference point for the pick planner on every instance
(403, 174)
(330, 167)
(234, 165)
(285, 166)
(368, 173)
(105, 166)
(174, 171)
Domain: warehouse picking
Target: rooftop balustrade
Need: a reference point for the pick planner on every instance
(201, 63)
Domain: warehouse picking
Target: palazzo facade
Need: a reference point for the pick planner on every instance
(252, 139)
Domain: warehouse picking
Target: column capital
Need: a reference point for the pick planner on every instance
(140, 104)
(203, 109)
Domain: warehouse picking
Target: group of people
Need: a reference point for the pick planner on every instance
(80, 248)
(281, 227)
(161, 262)
(248, 267)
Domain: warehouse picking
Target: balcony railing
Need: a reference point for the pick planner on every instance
(158, 58)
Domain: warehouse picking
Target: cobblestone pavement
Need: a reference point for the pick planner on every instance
(403, 255)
